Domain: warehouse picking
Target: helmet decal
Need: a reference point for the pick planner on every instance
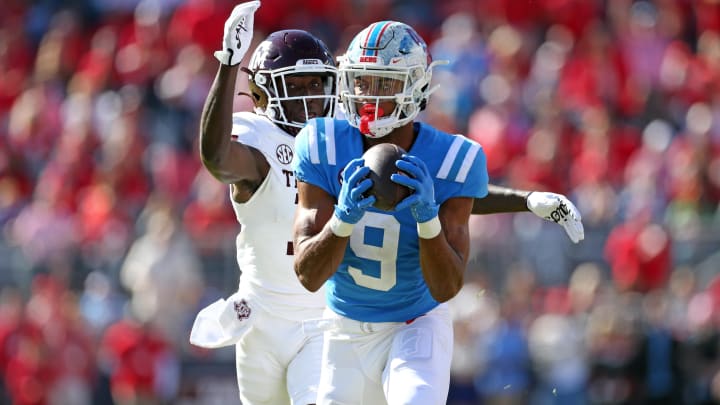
(372, 39)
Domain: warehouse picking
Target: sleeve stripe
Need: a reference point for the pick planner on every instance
(330, 139)
(467, 162)
(447, 164)
(313, 143)
(322, 145)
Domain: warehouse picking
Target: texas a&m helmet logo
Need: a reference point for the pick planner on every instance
(284, 153)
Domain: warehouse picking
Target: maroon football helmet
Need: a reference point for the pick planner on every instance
(289, 54)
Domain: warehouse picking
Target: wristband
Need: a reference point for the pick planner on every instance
(429, 229)
(339, 227)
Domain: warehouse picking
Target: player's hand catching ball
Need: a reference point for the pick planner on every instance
(422, 201)
(557, 208)
(352, 202)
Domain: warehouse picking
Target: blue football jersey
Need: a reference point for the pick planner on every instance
(379, 279)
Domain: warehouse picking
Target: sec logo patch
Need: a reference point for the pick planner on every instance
(284, 153)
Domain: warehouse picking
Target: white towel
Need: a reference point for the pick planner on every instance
(222, 323)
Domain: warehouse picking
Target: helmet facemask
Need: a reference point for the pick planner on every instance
(292, 78)
(280, 101)
(365, 89)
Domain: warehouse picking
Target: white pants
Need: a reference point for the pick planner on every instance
(278, 362)
(392, 363)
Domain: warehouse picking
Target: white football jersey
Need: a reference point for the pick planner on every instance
(264, 244)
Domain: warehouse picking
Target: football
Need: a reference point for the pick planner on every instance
(381, 161)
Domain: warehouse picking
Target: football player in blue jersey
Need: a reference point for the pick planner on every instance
(387, 274)
(291, 78)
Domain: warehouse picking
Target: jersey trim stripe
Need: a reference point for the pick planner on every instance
(313, 143)
(467, 162)
(458, 161)
(447, 164)
(322, 145)
(329, 127)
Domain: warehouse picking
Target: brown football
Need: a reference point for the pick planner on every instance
(381, 161)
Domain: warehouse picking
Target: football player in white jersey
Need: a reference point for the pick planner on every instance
(388, 274)
(291, 78)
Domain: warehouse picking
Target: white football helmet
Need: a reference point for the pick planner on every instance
(385, 62)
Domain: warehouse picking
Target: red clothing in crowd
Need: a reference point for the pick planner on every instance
(28, 370)
(639, 256)
(134, 352)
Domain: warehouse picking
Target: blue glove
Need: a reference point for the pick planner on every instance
(352, 202)
(422, 202)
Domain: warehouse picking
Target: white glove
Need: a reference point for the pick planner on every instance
(238, 33)
(557, 208)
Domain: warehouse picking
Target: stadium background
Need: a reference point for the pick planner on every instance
(112, 236)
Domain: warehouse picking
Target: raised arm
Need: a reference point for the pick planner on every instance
(228, 161)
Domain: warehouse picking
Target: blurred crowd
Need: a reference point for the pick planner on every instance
(112, 235)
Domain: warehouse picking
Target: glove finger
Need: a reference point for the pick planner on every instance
(241, 10)
(350, 168)
(570, 231)
(579, 230)
(568, 204)
(357, 191)
(357, 176)
(404, 181)
(245, 8)
(366, 202)
(419, 163)
(408, 201)
(574, 230)
(573, 209)
(409, 167)
(573, 238)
